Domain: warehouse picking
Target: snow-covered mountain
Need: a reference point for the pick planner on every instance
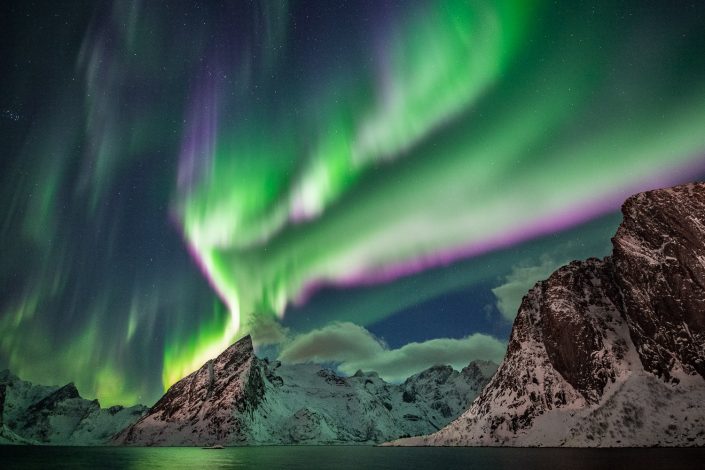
(239, 399)
(607, 352)
(38, 414)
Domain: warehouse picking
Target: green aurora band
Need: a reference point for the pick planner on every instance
(476, 130)
(394, 156)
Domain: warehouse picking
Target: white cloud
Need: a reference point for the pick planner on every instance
(353, 347)
(337, 342)
(517, 284)
(266, 330)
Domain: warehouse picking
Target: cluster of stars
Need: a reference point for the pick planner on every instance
(11, 115)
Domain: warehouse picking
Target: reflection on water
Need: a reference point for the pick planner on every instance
(358, 458)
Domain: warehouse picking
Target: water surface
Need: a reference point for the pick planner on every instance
(344, 457)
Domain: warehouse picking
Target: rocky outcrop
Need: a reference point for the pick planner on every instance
(659, 268)
(607, 352)
(239, 399)
(37, 414)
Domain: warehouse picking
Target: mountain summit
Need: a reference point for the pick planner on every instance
(201, 408)
(239, 399)
(607, 352)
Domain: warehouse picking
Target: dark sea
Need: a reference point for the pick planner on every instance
(353, 457)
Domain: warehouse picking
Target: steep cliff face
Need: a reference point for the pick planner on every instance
(607, 352)
(659, 267)
(239, 399)
(37, 414)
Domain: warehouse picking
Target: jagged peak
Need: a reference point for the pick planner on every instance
(68, 391)
(243, 343)
(480, 366)
(436, 371)
(241, 346)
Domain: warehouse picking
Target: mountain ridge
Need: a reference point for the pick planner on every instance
(52, 415)
(239, 399)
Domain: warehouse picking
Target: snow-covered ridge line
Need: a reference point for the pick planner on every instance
(239, 399)
(38, 414)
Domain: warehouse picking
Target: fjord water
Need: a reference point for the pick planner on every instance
(345, 457)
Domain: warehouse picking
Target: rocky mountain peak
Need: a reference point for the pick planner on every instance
(479, 368)
(203, 403)
(240, 348)
(437, 373)
(607, 352)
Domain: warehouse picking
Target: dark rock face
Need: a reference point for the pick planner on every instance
(659, 267)
(573, 341)
(239, 399)
(607, 352)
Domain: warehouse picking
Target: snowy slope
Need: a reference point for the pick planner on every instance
(37, 414)
(239, 399)
(607, 352)
(313, 405)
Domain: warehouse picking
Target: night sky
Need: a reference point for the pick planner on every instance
(363, 184)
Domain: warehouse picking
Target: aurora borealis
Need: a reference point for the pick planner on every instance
(179, 174)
